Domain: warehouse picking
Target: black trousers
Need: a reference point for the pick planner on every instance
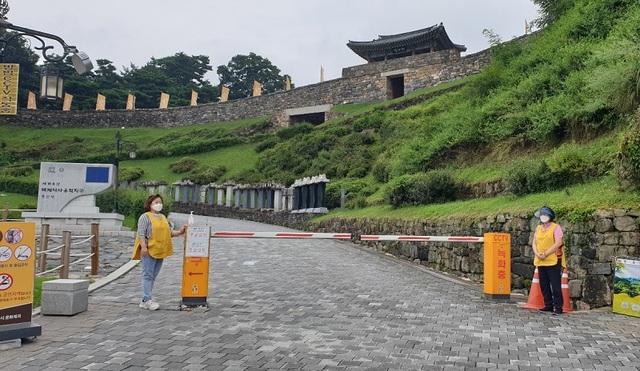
(551, 285)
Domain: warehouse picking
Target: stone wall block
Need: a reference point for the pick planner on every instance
(611, 238)
(603, 214)
(596, 239)
(575, 289)
(629, 238)
(599, 268)
(606, 252)
(596, 291)
(604, 225)
(625, 223)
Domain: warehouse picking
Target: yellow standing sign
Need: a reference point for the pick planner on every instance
(195, 269)
(17, 269)
(497, 265)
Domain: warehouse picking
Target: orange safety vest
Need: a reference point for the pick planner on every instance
(544, 240)
(159, 244)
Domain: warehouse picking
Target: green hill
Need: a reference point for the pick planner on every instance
(553, 119)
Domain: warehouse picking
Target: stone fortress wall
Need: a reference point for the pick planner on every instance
(363, 83)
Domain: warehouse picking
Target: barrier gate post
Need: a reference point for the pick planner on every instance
(195, 268)
(497, 266)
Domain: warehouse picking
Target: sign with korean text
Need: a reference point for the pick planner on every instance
(17, 269)
(626, 287)
(497, 265)
(9, 90)
(195, 269)
(64, 183)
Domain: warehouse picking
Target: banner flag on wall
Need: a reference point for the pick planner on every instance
(257, 89)
(287, 83)
(9, 91)
(224, 94)
(164, 100)
(66, 105)
(101, 102)
(526, 27)
(31, 100)
(131, 102)
(194, 98)
(321, 74)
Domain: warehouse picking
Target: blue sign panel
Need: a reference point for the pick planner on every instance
(97, 174)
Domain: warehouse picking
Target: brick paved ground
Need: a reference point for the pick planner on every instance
(319, 305)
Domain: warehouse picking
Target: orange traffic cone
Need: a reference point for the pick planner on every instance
(566, 306)
(536, 301)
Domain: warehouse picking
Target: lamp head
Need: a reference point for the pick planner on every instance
(81, 62)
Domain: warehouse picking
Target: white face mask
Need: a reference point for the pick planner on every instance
(544, 218)
(157, 207)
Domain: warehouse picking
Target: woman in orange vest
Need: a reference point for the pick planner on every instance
(549, 258)
(152, 245)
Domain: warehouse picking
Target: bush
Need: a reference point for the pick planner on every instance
(380, 170)
(267, 143)
(533, 177)
(17, 171)
(293, 131)
(628, 167)
(20, 186)
(206, 174)
(129, 203)
(130, 174)
(569, 163)
(354, 189)
(183, 165)
(421, 189)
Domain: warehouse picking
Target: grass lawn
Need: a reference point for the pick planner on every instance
(236, 159)
(17, 201)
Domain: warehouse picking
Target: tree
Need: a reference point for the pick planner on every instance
(551, 10)
(240, 73)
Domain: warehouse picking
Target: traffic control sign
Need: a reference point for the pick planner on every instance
(195, 268)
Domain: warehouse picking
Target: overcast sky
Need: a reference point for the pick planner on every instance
(298, 36)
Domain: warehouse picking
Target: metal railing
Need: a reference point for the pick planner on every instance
(63, 251)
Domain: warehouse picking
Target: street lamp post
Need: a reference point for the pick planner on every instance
(132, 154)
(51, 82)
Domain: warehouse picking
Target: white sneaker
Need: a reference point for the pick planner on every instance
(149, 304)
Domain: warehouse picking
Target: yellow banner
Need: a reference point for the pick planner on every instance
(257, 89)
(224, 94)
(9, 89)
(287, 84)
(164, 100)
(131, 102)
(17, 269)
(101, 102)
(66, 105)
(31, 100)
(194, 98)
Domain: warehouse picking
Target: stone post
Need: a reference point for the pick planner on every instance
(229, 195)
(238, 194)
(221, 197)
(278, 200)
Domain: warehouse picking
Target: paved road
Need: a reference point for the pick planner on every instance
(319, 305)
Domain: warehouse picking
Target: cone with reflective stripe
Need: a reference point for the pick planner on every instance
(566, 300)
(535, 301)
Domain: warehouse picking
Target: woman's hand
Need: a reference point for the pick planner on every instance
(144, 252)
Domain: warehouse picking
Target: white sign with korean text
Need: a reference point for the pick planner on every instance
(198, 242)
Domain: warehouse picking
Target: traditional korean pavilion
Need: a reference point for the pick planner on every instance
(422, 41)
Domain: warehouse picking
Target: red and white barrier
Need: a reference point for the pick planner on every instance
(223, 234)
(420, 238)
